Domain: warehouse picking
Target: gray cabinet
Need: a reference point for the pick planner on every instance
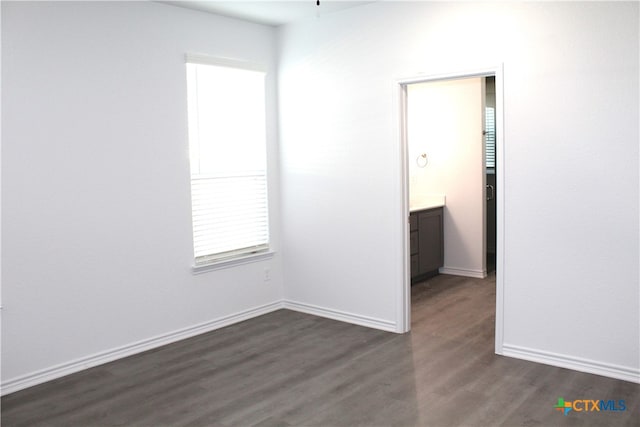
(427, 243)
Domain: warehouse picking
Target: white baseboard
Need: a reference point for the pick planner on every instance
(48, 374)
(574, 363)
(342, 316)
(478, 274)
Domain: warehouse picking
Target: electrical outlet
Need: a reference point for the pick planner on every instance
(267, 274)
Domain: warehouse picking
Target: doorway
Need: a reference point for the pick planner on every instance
(489, 189)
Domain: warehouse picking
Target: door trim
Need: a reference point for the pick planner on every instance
(403, 318)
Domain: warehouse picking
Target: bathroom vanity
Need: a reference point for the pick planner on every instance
(427, 241)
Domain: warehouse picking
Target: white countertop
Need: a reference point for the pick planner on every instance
(427, 202)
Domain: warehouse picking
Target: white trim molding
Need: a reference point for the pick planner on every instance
(570, 362)
(199, 58)
(48, 374)
(342, 316)
(478, 274)
(232, 262)
(403, 292)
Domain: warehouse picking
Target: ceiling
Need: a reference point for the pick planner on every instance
(272, 13)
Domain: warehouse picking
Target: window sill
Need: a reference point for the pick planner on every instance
(231, 262)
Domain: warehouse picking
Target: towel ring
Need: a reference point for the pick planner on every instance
(422, 160)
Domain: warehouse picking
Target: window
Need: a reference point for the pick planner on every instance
(227, 143)
(490, 137)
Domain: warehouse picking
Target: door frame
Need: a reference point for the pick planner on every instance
(403, 318)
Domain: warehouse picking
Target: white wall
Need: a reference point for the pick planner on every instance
(96, 245)
(445, 121)
(571, 232)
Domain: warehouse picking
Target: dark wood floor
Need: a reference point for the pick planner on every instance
(292, 369)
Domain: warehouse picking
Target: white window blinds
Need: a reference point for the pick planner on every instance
(227, 143)
(490, 137)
